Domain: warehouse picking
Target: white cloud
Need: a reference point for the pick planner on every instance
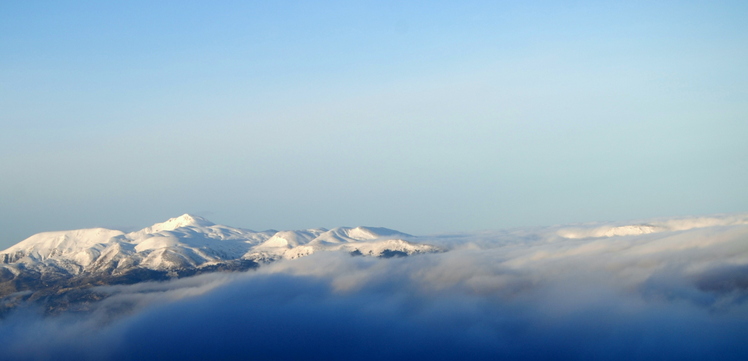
(679, 292)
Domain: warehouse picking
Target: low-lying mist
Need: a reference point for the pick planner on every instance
(664, 289)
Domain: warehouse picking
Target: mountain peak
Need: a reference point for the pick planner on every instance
(185, 220)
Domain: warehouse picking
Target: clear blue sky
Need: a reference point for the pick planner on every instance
(424, 117)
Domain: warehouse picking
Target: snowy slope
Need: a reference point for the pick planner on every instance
(190, 242)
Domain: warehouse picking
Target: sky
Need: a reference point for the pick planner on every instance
(424, 117)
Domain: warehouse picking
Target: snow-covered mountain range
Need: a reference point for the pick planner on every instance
(181, 246)
(190, 241)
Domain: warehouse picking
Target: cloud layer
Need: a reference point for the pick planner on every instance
(533, 294)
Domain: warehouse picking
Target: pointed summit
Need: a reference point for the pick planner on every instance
(185, 220)
(189, 220)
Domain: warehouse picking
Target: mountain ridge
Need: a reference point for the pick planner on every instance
(48, 263)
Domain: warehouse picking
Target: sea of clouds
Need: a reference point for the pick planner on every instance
(666, 289)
